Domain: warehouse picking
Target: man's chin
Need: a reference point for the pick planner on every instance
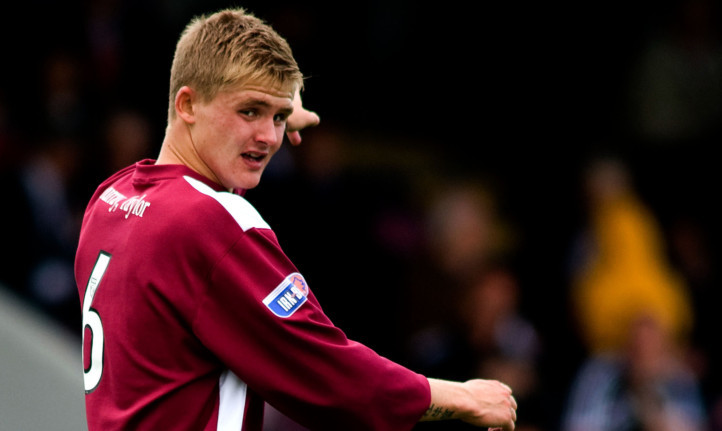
(249, 182)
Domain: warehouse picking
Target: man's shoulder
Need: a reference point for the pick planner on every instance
(242, 211)
(178, 198)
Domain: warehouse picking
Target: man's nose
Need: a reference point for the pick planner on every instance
(267, 131)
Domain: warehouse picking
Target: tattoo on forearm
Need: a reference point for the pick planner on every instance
(435, 412)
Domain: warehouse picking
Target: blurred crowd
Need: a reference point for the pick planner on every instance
(586, 279)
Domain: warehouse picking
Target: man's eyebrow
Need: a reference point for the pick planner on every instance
(264, 104)
(254, 102)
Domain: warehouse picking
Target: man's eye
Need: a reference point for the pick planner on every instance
(280, 118)
(248, 112)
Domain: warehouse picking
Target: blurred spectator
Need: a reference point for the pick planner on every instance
(65, 105)
(692, 252)
(43, 225)
(464, 233)
(104, 31)
(487, 338)
(10, 138)
(128, 139)
(462, 230)
(676, 88)
(505, 342)
(125, 137)
(13, 264)
(463, 305)
(677, 81)
(622, 269)
(645, 386)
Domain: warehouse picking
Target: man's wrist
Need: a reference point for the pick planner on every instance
(445, 397)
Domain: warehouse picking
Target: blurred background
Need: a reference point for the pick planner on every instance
(514, 191)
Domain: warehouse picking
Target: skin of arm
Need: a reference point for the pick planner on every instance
(483, 403)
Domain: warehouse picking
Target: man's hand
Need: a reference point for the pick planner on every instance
(483, 403)
(299, 120)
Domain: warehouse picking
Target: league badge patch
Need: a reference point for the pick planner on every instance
(288, 296)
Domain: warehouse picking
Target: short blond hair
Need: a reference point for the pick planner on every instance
(228, 48)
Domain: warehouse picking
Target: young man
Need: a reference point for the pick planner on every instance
(192, 314)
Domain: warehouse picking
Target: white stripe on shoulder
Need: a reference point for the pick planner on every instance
(240, 209)
(232, 403)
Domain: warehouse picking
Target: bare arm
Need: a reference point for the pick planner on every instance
(484, 403)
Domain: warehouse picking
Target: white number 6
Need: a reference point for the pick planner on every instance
(91, 320)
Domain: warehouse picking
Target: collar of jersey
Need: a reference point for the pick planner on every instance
(146, 171)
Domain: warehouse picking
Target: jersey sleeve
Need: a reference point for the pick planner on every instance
(259, 317)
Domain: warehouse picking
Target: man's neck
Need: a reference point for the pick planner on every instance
(178, 149)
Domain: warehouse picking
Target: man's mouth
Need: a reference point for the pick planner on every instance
(254, 156)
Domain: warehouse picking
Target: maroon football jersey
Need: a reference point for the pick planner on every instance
(193, 317)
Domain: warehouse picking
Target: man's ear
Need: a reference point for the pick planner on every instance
(184, 101)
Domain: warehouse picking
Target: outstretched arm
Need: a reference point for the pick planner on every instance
(484, 403)
(299, 120)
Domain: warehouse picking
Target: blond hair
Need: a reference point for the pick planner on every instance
(231, 47)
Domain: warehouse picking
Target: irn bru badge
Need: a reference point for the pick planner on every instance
(288, 296)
